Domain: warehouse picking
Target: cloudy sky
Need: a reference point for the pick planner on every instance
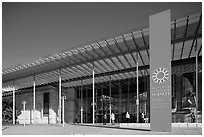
(33, 30)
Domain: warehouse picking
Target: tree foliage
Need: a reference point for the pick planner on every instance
(7, 113)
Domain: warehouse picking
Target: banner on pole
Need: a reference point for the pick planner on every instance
(160, 71)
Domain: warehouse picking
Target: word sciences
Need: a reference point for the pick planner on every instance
(160, 91)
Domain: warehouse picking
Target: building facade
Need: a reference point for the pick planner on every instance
(101, 78)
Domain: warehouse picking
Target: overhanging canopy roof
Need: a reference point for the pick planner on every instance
(115, 56)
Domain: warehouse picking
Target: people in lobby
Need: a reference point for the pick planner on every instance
(127, 116)
(192, 117)
(113, 118)
(104, 119)
(143, 117)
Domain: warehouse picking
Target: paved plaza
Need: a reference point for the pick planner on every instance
(89, 130)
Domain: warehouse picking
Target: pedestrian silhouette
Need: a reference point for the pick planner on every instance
(113, 118)
(104, 119)
(127, 116)
(192, 117)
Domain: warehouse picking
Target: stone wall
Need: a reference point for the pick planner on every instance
(37, 117)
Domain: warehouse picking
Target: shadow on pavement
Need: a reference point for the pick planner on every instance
(111, 126)
(4, 128)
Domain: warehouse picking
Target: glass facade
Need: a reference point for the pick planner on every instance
(120, 96)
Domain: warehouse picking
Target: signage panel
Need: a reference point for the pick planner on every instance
(160, 71)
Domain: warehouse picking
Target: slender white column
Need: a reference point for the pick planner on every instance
(81, 101)
(13, 106)
(86, 106)
(137, 100)
(196, 83)
(24, 112)
(128, 99)
(34, 94)
(34, 99)
(102, 106)
(145, 90)
(93, 102)
(60, 96)
(110, 97)
(63, 97)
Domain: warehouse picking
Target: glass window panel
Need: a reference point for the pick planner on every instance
(46, 100)
(177, 50)
(186, 49)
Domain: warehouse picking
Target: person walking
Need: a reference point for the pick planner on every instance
(113, 118)
(127, 116)
(143, 117)
(104, 119)
(192, 117)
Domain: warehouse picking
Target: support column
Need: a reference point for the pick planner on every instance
(196, 81)
(24, 103)
(34, 99)
(81, 101)
(137, 100)
(120, 102)
(96, 94)
(102, 103)
(93, 95)
(63, 98)
(148, 98)
(60, 96)
(13, 105)
(128, 97)
(179, 91)
(145, 90)
(110, 98)
(86, 106)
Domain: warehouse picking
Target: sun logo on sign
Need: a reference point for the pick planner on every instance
(160, 75)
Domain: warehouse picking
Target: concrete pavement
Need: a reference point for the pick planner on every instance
(88, 130)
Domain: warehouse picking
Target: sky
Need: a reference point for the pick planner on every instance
(33, 30)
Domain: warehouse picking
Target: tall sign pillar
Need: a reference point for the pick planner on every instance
(160, 71)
